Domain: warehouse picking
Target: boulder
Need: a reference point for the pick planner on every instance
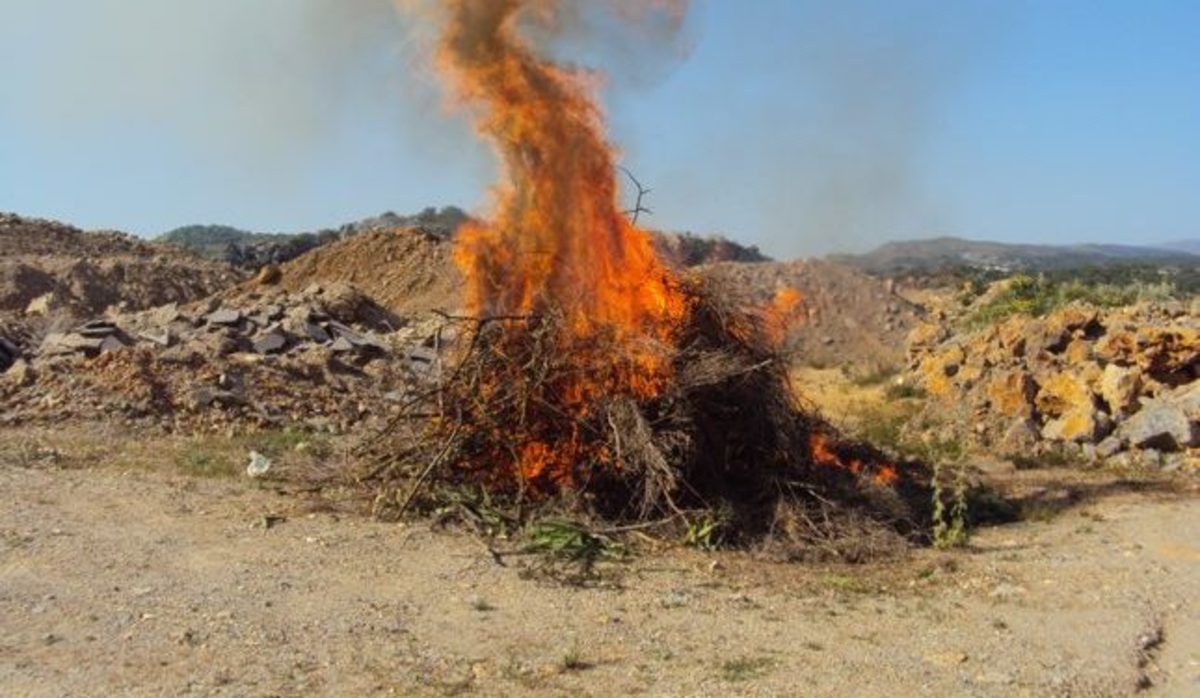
(1011, 393)
(1120, 387)
(1064, 392)
(1077, 426)
(1168, 423)
(1020, 439)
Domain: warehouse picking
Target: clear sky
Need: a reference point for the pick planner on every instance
(800, 126)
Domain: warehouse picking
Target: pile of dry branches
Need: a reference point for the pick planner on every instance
(724, 446)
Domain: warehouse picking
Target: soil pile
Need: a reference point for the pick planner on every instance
(48, 269)
(1118, 383)
(846, 317)
(843, 316)
(407, 270)
(326, 358)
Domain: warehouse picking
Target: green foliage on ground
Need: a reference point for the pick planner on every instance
(1041, 295)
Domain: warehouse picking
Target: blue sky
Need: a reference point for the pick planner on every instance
(803, 127)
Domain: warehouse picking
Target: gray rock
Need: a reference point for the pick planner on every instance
(97, 329)
(224, 316)
(316, 333)
(272, 341)
(112, 343)
(165, 315)
(341, 345)
(163, 339)
(1109, 447)
(1020, 439)
(1169, 423)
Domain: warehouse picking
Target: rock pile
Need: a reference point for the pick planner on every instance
(48, 269)
(1105, 382)
(325, 358)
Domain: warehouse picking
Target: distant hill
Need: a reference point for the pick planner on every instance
(1188, 246)
(251, 250)
(948, 253)
(243, 248)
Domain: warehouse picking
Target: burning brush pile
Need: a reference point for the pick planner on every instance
(587, 376)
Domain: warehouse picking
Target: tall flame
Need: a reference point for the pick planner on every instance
(556, 242)
(556, 235)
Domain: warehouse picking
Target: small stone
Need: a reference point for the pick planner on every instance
(111, 344)
(1109, 447)
(226, 317)
(259, 465)
(273, 342)
(163, 339)
(341, 345)
(316, 333)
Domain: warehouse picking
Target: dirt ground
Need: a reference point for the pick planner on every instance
(121, 578)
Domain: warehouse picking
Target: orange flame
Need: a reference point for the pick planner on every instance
(823, 452)
(557, 240)
(782, 314)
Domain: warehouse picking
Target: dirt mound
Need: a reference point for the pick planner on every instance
(843, 316)
(407, 270)
(1116, 383)
(325, 358)
(847, 317)
(52, 269)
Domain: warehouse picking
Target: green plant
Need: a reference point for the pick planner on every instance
(904, 391)
(746, 668)
(1041, 295)
(199, 460)
(572, 660)
(570, 550)
(950, 521)
(705, 533)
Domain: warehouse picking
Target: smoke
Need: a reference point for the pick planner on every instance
(824, 126)
(261, 85)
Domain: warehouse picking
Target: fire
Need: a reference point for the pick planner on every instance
(556, 242)
(782, 313)
(823, 452)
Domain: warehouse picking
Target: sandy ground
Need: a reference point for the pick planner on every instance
(140, 582)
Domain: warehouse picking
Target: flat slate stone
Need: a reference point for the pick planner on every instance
(317, 333)
(341, 345)
(113, 343)
(97, 329)
(272, 342)
(224, 317)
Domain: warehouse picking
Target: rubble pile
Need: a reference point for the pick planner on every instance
(324, 358)
(844, 317)
(49, 269)
(1112, 384)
